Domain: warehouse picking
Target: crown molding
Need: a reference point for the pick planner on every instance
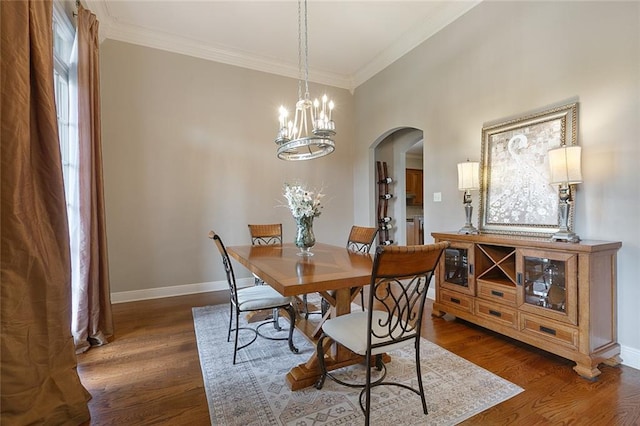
(414, 37)
(185, 46)
(111, 28)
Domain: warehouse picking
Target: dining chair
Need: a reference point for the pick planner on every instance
(266, 235)
(269, 234)
(360, 241)
(251, 299)
(399, 283)
(361, 238)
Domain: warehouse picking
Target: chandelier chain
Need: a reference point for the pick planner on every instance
(306, 53)
(310, 134)
(300, 76)
(303, 51)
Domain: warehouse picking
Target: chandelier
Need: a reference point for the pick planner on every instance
(310, 133)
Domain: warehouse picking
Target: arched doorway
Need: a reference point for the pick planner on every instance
(402, 149)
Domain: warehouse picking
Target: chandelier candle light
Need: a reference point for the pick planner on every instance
(310, 133)
(468, 181)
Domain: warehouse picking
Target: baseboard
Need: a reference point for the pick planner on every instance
(183, 290)
(630, 356)
(431, 293)
(176, 290)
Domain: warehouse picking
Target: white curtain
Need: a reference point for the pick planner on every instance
(92, 322)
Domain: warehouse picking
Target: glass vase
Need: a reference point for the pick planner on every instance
(304, 236)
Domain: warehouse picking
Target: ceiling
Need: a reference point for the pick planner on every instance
(349, 41)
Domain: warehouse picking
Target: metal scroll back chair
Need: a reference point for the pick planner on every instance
(399, 283)
(360, 241)
(262, 235)
(361, 238)
(266, 235)
(251, 299)
(271, 234)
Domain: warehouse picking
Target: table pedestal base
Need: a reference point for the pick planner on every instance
(305, 375)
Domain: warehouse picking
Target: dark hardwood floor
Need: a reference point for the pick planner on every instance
(150, 373)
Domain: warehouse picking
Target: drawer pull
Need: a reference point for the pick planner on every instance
(454, 300)
(497, 293)
(495, 313)
(519, 278)
(471, 269)
(547, 330)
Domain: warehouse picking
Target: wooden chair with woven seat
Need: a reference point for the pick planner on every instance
(266, 235)
(399, 283)
(251, 299)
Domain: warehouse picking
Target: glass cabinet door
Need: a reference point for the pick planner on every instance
(547, 284)
(456, 268)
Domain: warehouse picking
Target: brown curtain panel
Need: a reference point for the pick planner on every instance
(39, 381)
(92, 322)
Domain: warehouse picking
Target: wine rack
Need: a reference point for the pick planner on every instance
(384, 221)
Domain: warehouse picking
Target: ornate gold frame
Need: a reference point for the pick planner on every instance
(515, 196)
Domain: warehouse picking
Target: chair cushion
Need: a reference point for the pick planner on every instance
(351, 331)
(260, 297)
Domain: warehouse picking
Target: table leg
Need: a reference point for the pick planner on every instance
(304, 375)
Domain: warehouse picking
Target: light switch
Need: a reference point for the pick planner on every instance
(437, 197)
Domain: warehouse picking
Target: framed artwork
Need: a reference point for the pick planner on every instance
(515, 194)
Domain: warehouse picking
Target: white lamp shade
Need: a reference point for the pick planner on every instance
(564, 164)
(468, 175)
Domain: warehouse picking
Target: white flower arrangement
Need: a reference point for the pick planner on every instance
(302, 202)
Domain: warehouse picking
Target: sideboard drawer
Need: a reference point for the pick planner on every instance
(457, 300)
(549, 330)
(497, 313)
(496, 292)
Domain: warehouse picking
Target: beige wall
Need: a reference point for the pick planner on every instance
(506, 58)
(188, 143)
(188, 147)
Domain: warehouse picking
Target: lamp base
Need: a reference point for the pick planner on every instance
(468, 209)
(468, 229)
(567, 236)
(564, 211)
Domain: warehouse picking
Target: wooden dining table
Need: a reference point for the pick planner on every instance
(336, 273)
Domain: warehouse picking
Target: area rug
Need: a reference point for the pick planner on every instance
(254, 391)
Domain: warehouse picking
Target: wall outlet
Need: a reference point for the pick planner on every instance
(437, 197)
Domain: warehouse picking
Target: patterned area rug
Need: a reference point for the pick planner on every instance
(254, 391)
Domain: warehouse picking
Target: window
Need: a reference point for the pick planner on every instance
(65, 81)
(63, 35)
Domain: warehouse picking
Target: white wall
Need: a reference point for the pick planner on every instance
(506, 58)
(188, 147)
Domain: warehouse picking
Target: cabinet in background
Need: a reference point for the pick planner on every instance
(414, 187)
(557, 296)
(415, 231)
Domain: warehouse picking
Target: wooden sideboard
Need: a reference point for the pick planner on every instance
(557, 296)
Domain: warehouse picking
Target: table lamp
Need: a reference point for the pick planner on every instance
(564, 164)
(467, 181)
